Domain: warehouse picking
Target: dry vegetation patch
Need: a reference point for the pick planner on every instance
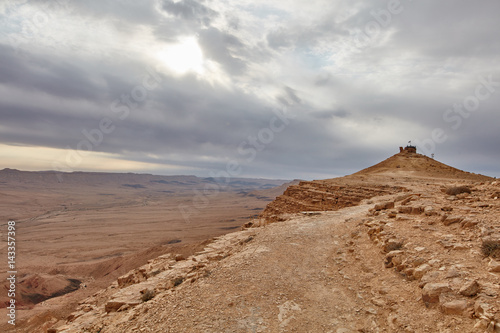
(455, 190)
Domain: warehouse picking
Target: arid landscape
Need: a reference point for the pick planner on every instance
(77, 234)
(408, 245)
(209, 166)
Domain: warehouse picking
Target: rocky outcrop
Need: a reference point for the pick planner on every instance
(325, 195)
(157, 276)
(451, 261)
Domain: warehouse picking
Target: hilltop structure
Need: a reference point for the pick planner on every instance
(409, 149)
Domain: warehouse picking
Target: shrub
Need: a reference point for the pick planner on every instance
(491, 248)
(148, 295)
(457, 190)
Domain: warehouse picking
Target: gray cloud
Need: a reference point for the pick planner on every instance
(190, 10)
(223, 48)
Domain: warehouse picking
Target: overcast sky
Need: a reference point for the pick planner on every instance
(274, 89)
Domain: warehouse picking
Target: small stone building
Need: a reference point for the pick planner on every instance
(408, 149)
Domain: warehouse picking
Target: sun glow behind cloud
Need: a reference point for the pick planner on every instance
(183, 57)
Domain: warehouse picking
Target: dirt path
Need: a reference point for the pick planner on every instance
(310, 274)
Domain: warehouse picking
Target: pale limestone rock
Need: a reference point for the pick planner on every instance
(393, 258)
(494, 266)
(482, 309)
(482, 324)
(430, 211)
(421, 270)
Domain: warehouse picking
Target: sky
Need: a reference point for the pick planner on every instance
(269, 89)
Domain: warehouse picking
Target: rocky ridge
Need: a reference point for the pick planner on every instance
(321, 195)
(420, 255)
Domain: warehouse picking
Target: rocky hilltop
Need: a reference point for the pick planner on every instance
(380, 179)
(409, 245)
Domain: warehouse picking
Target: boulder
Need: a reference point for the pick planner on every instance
(432, 291)
(494, 266)
(450, 219)
(384, 206)
(113, 306)
(470, 289)
(420, 271)
(456, 307)
(179, 257)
